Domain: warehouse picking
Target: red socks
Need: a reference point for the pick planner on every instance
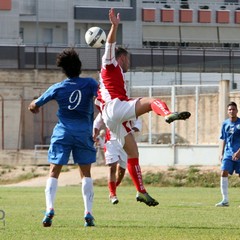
(112, 188)
(134, 170)
(160, 108)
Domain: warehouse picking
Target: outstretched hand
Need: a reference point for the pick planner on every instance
(33, 107)
(114, 19)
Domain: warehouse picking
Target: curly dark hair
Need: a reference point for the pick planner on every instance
(70, 63)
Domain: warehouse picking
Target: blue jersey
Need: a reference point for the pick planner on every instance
(230, 133)
(75, 100)
(73, 132)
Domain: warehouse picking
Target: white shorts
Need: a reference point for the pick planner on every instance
(115, 113)
(115, 153)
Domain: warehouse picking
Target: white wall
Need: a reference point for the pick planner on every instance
(167, 155)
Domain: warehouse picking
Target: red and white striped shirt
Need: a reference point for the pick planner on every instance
(112, 82)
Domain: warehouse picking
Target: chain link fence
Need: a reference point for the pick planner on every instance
(20, 129)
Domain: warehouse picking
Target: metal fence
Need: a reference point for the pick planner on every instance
(196, 99)
(144, 59)
(20, 129)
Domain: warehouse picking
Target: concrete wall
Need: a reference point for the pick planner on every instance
(154, 155)
(22, 129)
(19, 128)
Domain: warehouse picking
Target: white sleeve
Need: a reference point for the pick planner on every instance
(98, 121)
(138, 124)
(109, 54)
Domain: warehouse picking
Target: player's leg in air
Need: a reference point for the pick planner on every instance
(135, 172)
(50, 193)
(115, 117)
(87, 194)
(120, 112)
(145, 105)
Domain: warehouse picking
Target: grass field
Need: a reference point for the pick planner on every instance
(183, 213)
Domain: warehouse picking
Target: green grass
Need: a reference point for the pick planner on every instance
(183, 213)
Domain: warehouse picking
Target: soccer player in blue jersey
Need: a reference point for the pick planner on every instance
(230, 150)
(72, 133)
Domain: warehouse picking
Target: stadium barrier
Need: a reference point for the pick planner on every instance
(22, 130)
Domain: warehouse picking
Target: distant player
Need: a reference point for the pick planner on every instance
(230, 150)
(72, 133)
(115, 156)
(118, 108)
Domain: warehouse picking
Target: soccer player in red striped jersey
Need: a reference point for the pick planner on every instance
(117, 107)
(115, 156)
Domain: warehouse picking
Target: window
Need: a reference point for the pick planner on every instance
(21, 33)
(47, 36)
(65, 36)
(77, 36)
(236, 2)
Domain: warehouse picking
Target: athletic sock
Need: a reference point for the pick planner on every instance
(50, 192)
(112, 188)
(134, 170)
(224, 188)
(160, 108)
(87, 194)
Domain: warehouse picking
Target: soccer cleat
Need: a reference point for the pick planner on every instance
(177, 116)
(113, 199)
(147, 199)
(89, 220)
(47, 220)
(222, 204)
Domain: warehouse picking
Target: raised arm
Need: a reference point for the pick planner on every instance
(115, 20)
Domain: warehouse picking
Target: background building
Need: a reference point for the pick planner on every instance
(162, 36)
(172, 43)
(144, 23)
